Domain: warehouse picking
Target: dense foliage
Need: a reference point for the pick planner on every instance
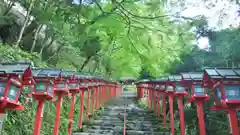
(102, 35)
(113, 38)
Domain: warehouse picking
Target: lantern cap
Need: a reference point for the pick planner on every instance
(17, 68)
(174, 78)
(222, 73)
(82, 75)
(192, 76)
(161, 79)
(143, 81)
(46, 72)
(67, 73)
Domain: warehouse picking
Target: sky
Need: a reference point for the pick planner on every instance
(225, 11)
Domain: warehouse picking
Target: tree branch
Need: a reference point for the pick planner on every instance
(137, 16)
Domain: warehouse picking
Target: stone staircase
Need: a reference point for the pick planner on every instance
(139, 121)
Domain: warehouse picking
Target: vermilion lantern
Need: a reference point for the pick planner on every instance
(60, 88)
(225, 85)
(90, 84)
(42, 91)
(194, 82)
(161, 81)
(73, 88)
(95, 84)
(13, 76)
(179, 92)
(83, 84)
(141, 85)
(170, 90)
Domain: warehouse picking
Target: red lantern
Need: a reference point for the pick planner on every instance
(13, 76)
(60, 88)
(198, 94)
(161, 83)
(43, 90)
(73, 88)
(83, 85)
(178, 91)
(170, 90)
(225, 85)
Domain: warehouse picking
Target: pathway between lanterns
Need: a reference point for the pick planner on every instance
(138, 121)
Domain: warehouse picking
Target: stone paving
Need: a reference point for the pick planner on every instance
(139, 121)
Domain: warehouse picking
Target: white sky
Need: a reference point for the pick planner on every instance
(219, 15)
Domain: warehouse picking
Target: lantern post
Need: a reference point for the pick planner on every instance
(82, 88)
(145, 86)
(100, 102)
(13, 76)
(158, 99)
(150, 95)
(101, 84)
(97, 96)
(89, 86)
(161, 82)
(154, 97)
(93, 96)
(180, 93)
(170, 90)
(42, 92)
(60, 89)
(225, 85)
(140, 90)
(73, 87)
(198, 95)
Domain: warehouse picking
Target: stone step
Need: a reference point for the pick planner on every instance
(128, 113)
(84, 133)
(130, 125)
(117, 121)
(110, 118)
(120, 128)
(101, 131)
(136, 132)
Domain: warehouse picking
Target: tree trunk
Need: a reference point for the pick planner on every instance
(41, 51)
(25, 23)
(85, 62)
(35, 37)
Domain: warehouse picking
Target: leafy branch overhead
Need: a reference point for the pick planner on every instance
(126, 34)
